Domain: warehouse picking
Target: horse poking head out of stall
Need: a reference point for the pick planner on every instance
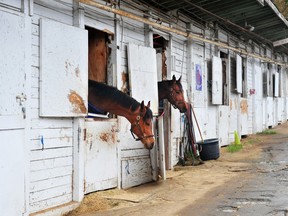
(172, 91)
(110, 99)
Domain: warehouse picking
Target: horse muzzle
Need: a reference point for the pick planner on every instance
(149, 146)
(147, 140)
(182, 106)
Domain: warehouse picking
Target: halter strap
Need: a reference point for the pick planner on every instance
(136, 124)
(174, 102)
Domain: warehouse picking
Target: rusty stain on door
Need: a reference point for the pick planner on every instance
(77, 102)
(233, 102)
(244, 106)
(125, 81)
(108, 137)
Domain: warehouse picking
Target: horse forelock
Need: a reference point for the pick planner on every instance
(179, 85)
(148, 115)
(171, 82)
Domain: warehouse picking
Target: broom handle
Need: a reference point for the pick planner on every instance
(197, 123)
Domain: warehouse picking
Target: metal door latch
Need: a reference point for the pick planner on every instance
(21, 98)
(24, 112)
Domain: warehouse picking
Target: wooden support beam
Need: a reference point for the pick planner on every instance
(280, 42)
(177, 31)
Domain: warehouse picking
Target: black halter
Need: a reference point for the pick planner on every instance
(173, 102)
(136, 124)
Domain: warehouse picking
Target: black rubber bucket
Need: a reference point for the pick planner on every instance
(209, 150)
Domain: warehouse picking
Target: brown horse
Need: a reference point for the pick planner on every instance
(172, 91)
(110, 99)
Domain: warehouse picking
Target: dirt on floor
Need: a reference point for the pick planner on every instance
(184, 184)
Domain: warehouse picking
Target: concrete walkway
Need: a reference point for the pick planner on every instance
(253, 181)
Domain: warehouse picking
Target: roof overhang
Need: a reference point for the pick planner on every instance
(258, 20)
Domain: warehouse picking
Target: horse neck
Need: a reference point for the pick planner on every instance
(123, 111)
(163, 90)
(115, 108)
(106, 103)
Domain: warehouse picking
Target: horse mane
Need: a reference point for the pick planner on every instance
(105, 91)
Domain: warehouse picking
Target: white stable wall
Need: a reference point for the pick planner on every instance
(51, 139)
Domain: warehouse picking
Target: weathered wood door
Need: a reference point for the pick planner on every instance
(101, 162)
(244, 102)
(244, 116)
(135, 160)
(12, 114)
(217, 89)
(199, 75)
(143, 75)
(63, 71)
(223, 125)
(269, 112)
(258, 95)
(270, 105)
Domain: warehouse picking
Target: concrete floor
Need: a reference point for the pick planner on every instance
(253, 181)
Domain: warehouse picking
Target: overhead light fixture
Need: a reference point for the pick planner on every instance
(249, 27)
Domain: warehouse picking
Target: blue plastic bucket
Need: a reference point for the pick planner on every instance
(209, 150)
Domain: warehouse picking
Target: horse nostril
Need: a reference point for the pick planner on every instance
(150, 146)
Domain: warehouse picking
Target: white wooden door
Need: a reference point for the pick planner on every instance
(101, 167)
(143, 75)
(217, 89)
(276, 84)
(223, 125)
(280, 110)
(12, 114)
(244, 116)
(233, 117)
(63, 71)
(198, 76)
(258, 97)
(135, 160)
(270, 111)
(12, 171)
(239, 74)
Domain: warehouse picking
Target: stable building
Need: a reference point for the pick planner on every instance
(231, 57)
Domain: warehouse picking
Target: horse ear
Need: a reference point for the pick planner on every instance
(174, 78)
(148, 105)
(142, 105)
(179, 80)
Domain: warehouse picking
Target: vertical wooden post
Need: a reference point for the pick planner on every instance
(28, 11)
(161, 147)
(78, 128)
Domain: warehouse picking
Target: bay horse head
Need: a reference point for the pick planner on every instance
(109, 99)
(142, 125)
(172, 90)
